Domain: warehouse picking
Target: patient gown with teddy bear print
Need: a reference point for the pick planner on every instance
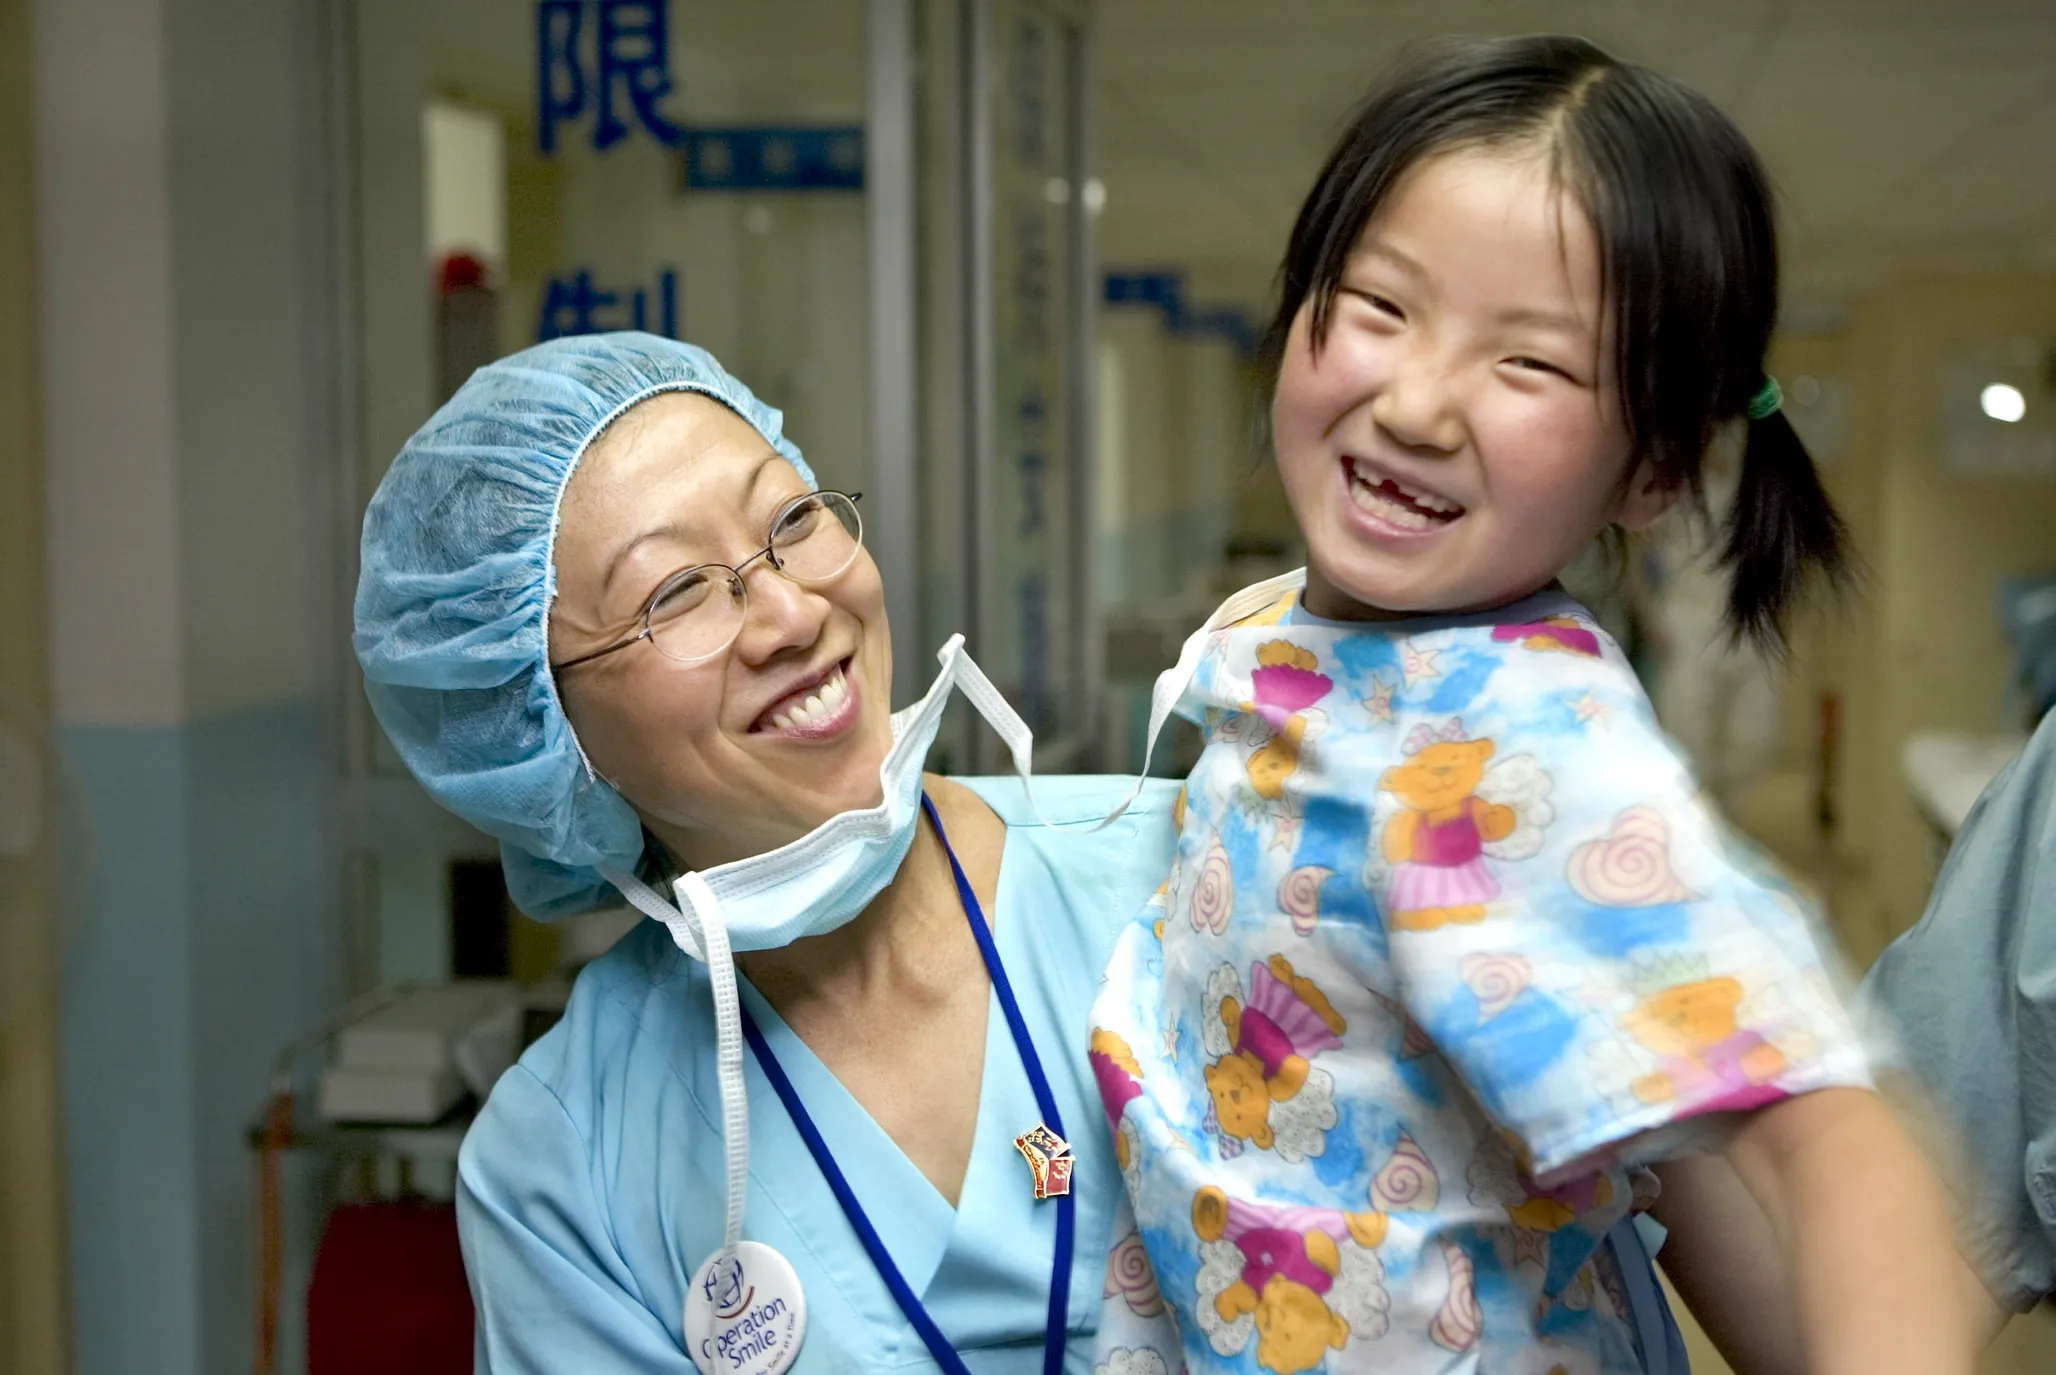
(1452, 949)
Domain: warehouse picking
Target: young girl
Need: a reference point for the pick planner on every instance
(1453, 949)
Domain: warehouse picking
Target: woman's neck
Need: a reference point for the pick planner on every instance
(902, 943)
(904, 985)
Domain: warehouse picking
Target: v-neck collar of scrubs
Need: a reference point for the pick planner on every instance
(998, 1236)
(911, 1216)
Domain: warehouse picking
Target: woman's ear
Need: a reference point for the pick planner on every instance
(1645, 496)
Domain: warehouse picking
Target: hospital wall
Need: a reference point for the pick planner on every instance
(1917, 645)
(1175, 451)
(1184, 479)
(186, 436)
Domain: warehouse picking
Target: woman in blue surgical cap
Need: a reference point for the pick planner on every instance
(831, 1111)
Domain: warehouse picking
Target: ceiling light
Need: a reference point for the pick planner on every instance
(2002, 402)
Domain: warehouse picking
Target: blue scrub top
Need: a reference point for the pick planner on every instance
(1973, 988)
(591, 1186)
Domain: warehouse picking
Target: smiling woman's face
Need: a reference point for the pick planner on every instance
(709, 753)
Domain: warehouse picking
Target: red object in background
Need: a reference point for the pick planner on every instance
(388, 1295)
(461, 270)
(278, 1130)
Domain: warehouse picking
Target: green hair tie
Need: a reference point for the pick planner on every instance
(1765, 403)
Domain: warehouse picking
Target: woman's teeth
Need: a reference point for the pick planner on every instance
(819, 706)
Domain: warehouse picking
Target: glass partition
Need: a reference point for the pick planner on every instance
(1005, 460)
(530, 170)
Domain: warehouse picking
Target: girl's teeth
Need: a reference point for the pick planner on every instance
(1410, 517)
(813, 709)
(1427, 501)
(1387, 509)
(782, 721)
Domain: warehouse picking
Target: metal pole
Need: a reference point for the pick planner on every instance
(1088, 652)
(342, 389)
(980, 484)
(894, 515)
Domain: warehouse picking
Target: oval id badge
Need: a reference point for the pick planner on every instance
(745, 1314)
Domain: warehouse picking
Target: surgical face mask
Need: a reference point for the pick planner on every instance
(814, 884)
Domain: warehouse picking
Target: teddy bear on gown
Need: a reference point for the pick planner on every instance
(1305, 1279)
(1451, 809)
(1264, 1087)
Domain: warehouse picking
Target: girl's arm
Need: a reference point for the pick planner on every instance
(1725, 1260)
(1863, 1233)
(1988, 1317)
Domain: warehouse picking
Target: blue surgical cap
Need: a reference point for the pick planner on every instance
(457, 581)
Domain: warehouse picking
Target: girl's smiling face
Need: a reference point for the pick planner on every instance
(1459, 435)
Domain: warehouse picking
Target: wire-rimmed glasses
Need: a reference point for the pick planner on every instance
(699, 611)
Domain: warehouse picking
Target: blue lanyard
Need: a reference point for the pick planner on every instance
(903, 1293)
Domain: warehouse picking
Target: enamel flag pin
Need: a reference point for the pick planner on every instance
(1049, 1161)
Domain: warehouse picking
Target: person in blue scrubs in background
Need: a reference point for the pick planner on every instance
(1973, 989)
(606, 616)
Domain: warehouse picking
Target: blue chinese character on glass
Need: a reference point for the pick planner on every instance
(1166, 291)
(574, 304)
(630, 54)
(1031, 459)
(1033, 463)
(1033, 594)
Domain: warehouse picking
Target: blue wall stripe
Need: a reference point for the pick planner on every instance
(128, 1064)
(205, 940)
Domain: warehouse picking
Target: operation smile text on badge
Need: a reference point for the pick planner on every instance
(746, 1313)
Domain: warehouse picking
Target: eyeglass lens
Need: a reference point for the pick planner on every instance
(699, 611)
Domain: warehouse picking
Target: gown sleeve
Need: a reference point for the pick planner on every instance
(551, 1291)
(1598, 956)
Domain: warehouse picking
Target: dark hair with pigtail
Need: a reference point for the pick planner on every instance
(1688, 267)
(1781, 530)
